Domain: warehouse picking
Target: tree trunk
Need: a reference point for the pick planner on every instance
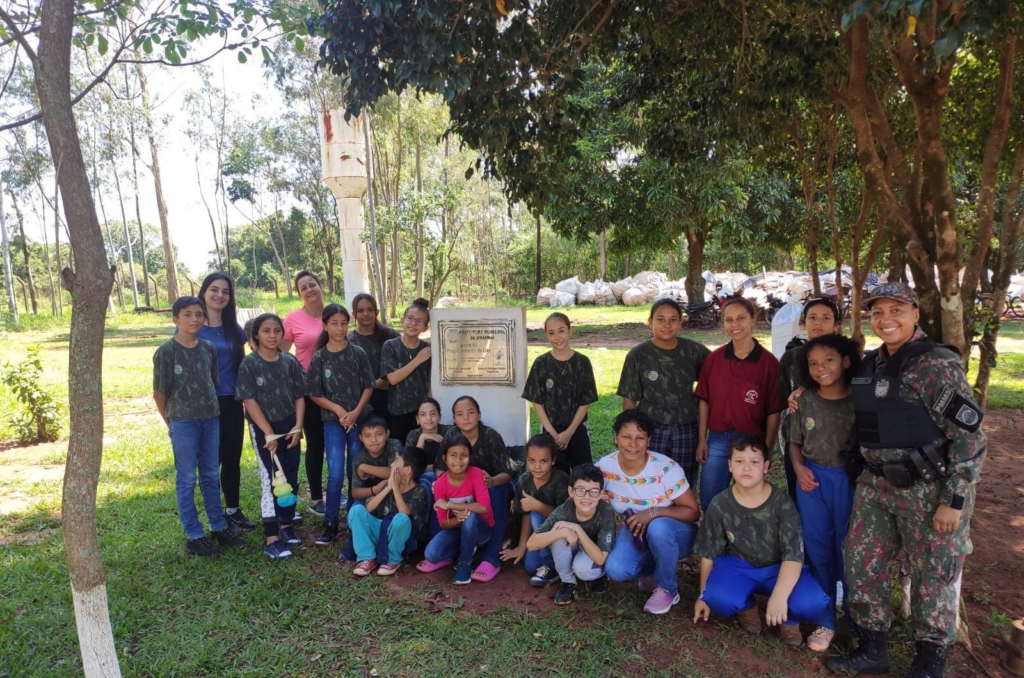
(135, 188)
(12, 297)
(694, 284)
(419, 222)
(49, 266)
(830, 189)
(127, 241)
(536, 276)
(161, 204)
(603, 255)
(90, 288)
(628, 257)
(378, 277)
(209, 214)
(56, 233)
(25, 255)
(1009, 238)
(671, 265)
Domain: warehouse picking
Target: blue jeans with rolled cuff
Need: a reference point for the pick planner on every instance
(668, 541)
(339, 465)
(459, 543)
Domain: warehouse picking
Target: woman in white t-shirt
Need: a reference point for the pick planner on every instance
(653, 495)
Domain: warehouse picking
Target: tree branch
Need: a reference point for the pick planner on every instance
(18, 35)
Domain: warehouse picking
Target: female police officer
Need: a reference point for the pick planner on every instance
(919, 435)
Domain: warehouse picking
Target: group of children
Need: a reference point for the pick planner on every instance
(453, 489)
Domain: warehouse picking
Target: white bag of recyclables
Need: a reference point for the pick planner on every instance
(634, 297)
(562, 300)
(651, 292)
(570, 285)
(448, 302)
(619, 288)
(544, 296)
(785, 326)
(603, 295)
(587, 294)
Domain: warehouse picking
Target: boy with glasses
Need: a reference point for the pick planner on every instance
(580, 534)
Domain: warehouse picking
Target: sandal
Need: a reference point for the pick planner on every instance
(485, 571)
(427, 566)
(690, 565)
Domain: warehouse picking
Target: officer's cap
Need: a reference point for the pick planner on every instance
(893, 290)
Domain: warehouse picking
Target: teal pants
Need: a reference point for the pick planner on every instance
(366, 527)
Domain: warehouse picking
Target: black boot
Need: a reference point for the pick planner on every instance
(330, 533)
(930, 661)
(871, 656)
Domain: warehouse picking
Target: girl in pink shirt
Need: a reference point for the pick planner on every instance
(302, 328)
(463, 508)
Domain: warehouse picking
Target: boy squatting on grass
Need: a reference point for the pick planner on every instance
(371, 468)
(580, 534)
(185, 379)
(750, 542)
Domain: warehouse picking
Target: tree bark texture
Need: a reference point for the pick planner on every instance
(12, 297)
(90, 288)
(161, 204)
(695, 240)
(536, 278)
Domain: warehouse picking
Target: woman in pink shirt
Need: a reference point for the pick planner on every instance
(302, 328)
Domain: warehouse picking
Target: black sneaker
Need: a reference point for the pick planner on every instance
(201, 547)
(289, 537)
(298, 517)
(598, 586)
(545, 575)
(238, 521)
(318, 507)
(566, 593)
(329, 535)
(227, 538)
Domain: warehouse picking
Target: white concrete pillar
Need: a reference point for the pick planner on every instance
(343, 163)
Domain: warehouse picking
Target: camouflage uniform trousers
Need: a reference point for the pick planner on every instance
(885, 520)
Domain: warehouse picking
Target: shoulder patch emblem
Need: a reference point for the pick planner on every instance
(809, 423)
(881, 388)
(967, 415)
(259, 380)
(652, 375)
(327, 373)
(730, 536)
(178, 369)
(549, 384)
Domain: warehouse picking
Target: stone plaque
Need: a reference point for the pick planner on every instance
(477, 352)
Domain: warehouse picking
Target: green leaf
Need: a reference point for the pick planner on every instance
(242, 58)
(101, 47)
(147, 46)
(299, 45)
(469, 173)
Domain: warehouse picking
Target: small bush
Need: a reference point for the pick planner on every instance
(39, 421)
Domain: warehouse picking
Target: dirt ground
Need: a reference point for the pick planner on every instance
(993, 584)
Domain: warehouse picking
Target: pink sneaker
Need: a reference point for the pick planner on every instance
(661, 601)
(646, 584)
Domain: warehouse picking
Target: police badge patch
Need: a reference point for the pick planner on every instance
(881, 388)
(967, 415)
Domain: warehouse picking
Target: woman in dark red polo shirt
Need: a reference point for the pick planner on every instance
(737, 393)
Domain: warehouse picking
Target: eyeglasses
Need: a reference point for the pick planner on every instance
(415, 322)
(593, 492)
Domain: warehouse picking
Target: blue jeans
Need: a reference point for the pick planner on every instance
(339, 465)
(196, 444)
(501, 502)
(734, 582)
(715, 477)
(668, 541)
(534, 559)
(825, 513)
(426, 481)
(459, 542)
(366, 532)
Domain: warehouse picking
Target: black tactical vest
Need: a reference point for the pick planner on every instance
(884, 420)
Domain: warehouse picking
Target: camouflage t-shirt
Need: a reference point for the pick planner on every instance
(415, 499)
(430, 448)
(561, 386)
(792, 374)
(340, 377)
(552, 493)
(661, 381)
(489, 454)
(363, 456)
(766, 535)
(821, 426)
(275, 386)
(600, 527)
(188, 377)
(405, 396)
(371, 347)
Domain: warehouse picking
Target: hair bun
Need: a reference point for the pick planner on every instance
(420, 301)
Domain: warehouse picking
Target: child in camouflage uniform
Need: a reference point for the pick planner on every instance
(561, 387)
(821, 426)
(405, 363)
(341, 383)
(185, 381)
(750, 542)
(658, 377)
(272, 387)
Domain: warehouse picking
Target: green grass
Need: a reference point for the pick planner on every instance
(241, 615)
